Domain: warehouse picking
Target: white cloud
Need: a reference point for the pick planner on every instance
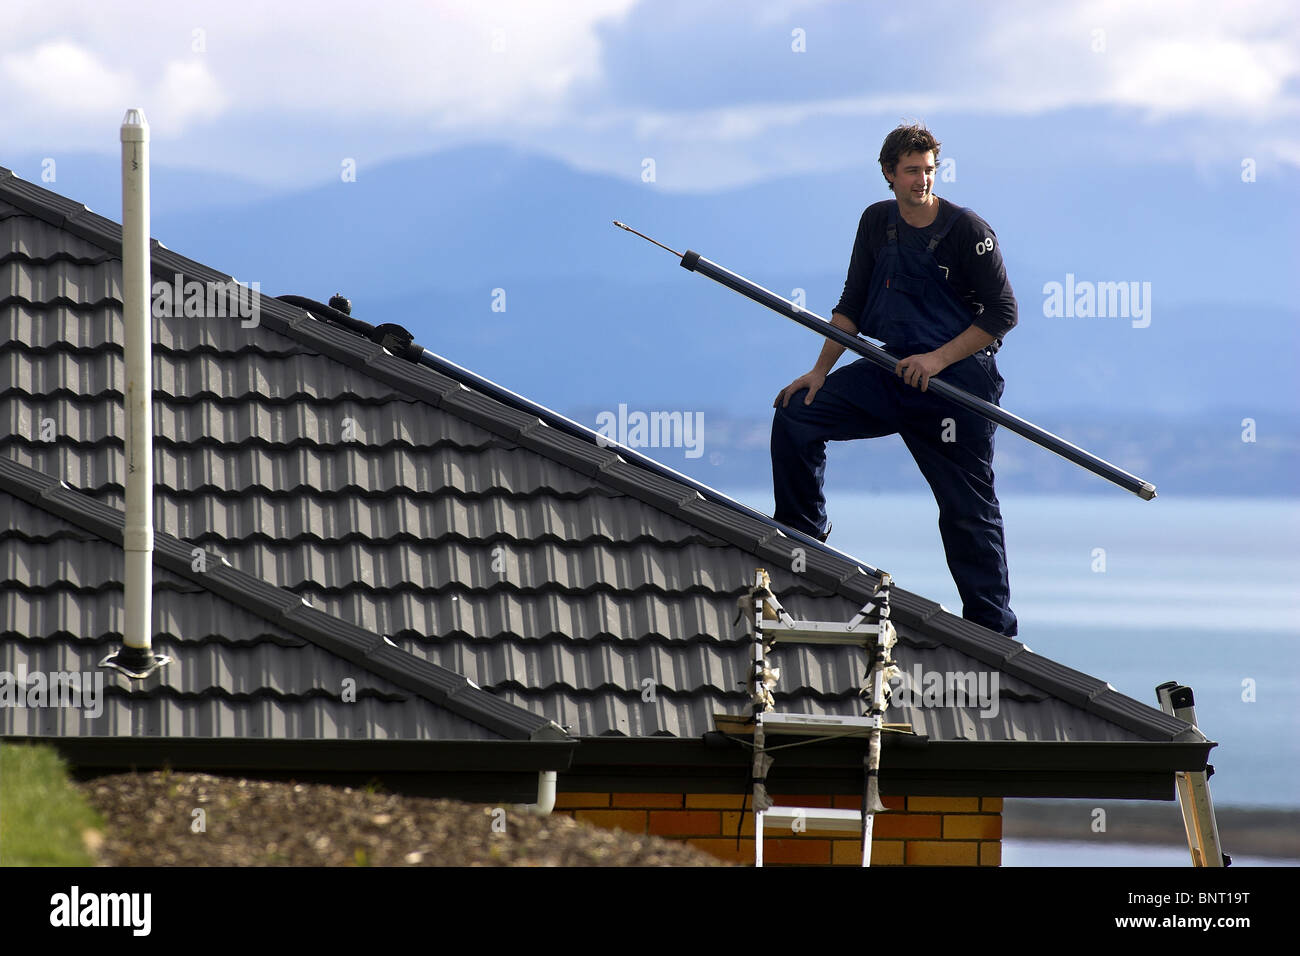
(1163, 56)
(186, 92)
(1224, 76)
(1206, 75)
(63, 77)
(63, 86)
(450, 63)
(414, 76)
(729, 124)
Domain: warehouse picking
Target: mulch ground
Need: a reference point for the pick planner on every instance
(150, 821)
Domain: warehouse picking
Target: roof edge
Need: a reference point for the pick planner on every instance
(1136, 770)
(288, 755)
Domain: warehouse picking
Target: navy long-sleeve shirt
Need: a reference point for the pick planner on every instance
(969, 253)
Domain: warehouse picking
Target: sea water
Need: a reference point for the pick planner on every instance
(1201, 590)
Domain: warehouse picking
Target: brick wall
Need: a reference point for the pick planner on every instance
(916, 831)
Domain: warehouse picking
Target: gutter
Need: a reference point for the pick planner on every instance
(917, 766)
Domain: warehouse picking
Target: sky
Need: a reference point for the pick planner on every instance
(1154, 144)
(718, 94)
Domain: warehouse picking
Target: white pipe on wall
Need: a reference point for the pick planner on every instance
(545, 795)
(138, 346)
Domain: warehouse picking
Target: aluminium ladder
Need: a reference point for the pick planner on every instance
(870, 629)
(1193, 788)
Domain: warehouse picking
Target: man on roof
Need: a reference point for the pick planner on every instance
(926, 278)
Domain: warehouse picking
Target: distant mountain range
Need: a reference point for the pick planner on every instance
(1181, 458)
(594, 317)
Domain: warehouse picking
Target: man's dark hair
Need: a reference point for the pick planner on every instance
(906, 139)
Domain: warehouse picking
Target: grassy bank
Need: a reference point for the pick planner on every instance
(44, 819)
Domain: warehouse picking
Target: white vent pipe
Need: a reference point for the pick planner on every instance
(136, 658)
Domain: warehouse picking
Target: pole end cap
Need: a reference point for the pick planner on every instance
(690, 260)
(135, 128)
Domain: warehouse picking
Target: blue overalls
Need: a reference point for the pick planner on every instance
(911, 307)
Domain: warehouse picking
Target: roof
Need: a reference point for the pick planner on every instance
(481, 532)
(251, 658)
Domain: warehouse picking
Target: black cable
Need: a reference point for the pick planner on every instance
(740, 827)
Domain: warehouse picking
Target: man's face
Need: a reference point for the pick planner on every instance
(913, 178)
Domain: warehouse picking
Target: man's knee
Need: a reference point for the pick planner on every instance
(791, 420)
(794, 406)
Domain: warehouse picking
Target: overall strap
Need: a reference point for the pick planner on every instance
(891, 224)
(952, 221)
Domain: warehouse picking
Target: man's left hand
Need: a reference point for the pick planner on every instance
(916, 370)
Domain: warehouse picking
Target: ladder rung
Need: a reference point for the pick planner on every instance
(825, 640)
(813, 818)
(821, 632)
(814, 724)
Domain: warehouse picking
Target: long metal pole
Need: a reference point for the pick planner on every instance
(878, 356)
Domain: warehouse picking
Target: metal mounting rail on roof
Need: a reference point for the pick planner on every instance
(569, 426)
(399, 341)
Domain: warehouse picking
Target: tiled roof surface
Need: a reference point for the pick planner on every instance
(248, 660)
(561, 576)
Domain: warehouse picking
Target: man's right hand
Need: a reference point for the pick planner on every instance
(813, 381)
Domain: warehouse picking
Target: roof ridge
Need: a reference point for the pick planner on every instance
(442, 687)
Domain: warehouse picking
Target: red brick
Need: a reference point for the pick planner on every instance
(633, 821)
(802, 800)
(991, 804)
(883, 853)
(990, 854)
(731, 819)
(726, 849)
(646, 800)
(945, 804)
(985, 826)
(581, 801)
(796, 850)
(853, 801)
(848, 852)
(946, 853)
(686, 822)
(887, 852)
(717, 801)
(914, 825)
